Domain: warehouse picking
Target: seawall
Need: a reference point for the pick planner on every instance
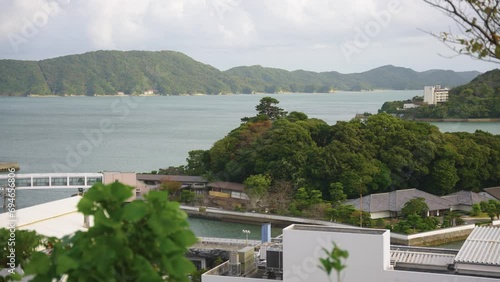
(430, 238)
(251, 217)
(435, 237)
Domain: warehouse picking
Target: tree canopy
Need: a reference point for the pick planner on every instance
(416, 206)
(478, 99)
(379, 154)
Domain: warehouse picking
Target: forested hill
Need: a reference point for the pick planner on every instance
(168, 72)
(478, 99)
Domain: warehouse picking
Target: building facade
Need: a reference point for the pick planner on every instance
(435, 94)
(370, 258)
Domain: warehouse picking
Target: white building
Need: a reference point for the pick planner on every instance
(53, 219)
(435, 94)
(371, 258)
(410, 106)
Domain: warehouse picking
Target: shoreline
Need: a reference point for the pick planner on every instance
(457, 119)
(201, 94)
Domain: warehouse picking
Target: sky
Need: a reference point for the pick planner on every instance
(316, 35)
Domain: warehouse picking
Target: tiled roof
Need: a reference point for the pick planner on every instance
(465, 198)
(177, 178)
(493, 191)
(394, 201)
(227, 185)
(481, 247)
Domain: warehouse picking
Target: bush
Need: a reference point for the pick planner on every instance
(476, 210)
(187, 196)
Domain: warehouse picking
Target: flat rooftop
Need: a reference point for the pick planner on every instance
(335, 229)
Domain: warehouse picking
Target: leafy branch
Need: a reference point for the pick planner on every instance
(334, 261)
(479, 23)
(137, 241)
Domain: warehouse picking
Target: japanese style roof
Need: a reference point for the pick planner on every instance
(481, 247)
(394, 201)
(465, 198)
(227, 185)
(176, 178)
(493, 191)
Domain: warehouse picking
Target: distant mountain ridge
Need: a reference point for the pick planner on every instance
(169, 72)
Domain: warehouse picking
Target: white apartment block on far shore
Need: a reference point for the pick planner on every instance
(435, 94)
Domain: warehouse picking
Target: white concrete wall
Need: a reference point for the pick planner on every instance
(369, 258)
(368, 255)
(429, 95)
(385, 214)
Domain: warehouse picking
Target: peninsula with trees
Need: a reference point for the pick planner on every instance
(291, 164)
(479, 99)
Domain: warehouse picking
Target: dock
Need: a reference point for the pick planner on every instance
(4, 167)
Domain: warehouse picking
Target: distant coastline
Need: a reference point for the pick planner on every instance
(201, 94)
(458, 119)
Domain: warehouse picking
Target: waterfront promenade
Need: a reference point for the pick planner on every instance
(430, 238)
(252, 217)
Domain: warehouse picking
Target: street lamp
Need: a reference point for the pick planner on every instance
(247, 232)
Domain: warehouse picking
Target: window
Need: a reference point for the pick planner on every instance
(76, 181)
(23, 182)
(93, 180)
(59, 181)
(41, 181)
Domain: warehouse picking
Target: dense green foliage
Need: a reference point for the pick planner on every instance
(168, 72)
(379, 154)
(491, 208)
(256, 187)
(24, 242)
(414, 223)
(478, 99)
(415, 206)
(139, 241)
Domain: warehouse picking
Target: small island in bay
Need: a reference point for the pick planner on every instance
(477, 101)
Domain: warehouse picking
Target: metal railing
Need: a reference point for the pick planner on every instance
(228, 241)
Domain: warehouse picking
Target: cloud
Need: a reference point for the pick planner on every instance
(225, 33)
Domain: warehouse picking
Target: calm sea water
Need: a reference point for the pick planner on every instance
(90, 134)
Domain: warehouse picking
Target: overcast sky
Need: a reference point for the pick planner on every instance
(317, 35)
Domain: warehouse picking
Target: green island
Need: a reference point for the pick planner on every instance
(173, 73)
(479, 99)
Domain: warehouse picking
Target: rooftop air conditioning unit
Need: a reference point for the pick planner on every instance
(274, 258)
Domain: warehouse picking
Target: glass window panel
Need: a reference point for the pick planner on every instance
(59, 181)
(41, 181)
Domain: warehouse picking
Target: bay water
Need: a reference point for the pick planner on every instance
(141, 134)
